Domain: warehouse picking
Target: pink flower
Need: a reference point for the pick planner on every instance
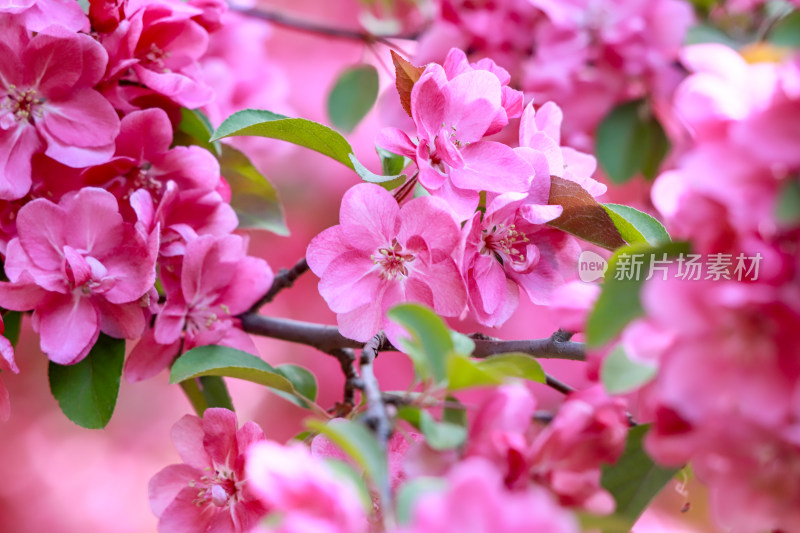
(82, 270)
(589, 429)
(217, 282)
(180, 182)
(47, 103)
(381, 255)
(208, 492)
(40, 15)
(302, 491)
(159, 46)
(452, 117)
(476, 501)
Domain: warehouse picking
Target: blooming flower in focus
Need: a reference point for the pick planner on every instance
(208, 492)
(81, 269)
(381, 255)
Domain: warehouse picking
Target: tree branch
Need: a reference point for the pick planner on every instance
(376, 416)
(327, 339)
(283, 280)
(287, 21)
(347, 361)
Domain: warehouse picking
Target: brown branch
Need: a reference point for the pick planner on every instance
(307, 26)
(327, 338)
(347, 362)
(376, 416)
(283, 280)
(558, 385)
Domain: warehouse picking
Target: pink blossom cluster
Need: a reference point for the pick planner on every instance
(728, 383)
(564, 456)
(585, 55)
(478, 236)
(106, 226)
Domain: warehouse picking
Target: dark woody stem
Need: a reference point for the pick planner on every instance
(284, 279)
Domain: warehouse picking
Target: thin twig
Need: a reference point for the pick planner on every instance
(307, 26)
(283, 280)
(558, 385)
(327, 338)
(347, 362)
(376, 416)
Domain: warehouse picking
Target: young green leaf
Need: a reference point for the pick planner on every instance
(465, 372)
(582, 216)
(12, 321)
(620, 375)
(430, 344)
(439, 435)
(786, 31)
(87, 391)
(392, 164)
(635, 226)
(359, 443)
(370, 177)
(233, 363)
(303, 381)
(299, 131)
(196, 129)
(253, 197)
(619, 301)
(353, 96)
(787, 210)
(634, 480)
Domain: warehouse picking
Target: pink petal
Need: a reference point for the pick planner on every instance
(184, 516)
(164, 487)
(84, 120)
(53, 65)
(121, 321)
(17, 146)
(187, 436)
(324, 248)
(148, 358)
(350, 281)
(472, 100)
(5, 404)
(130, 141)
(362, 323)
(396, 141)
(493, 167)
(428, 102)
(170, 321)
(68, 327)
(21, 296)
(430, 218)
(252, 278)
(219, 440)
(42, 228)
(368, 216)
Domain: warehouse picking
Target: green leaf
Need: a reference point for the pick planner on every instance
(635, 226)
(620, 375)
(299, 131)
(787, 211)
(455, 415)
(230, 362)
(439, 435)
(412, 491)
(430, 344)
(87, 391)
(392, 164)
(619, 301)
(704, 33)
(634, 480)
(196, 129)
(303, 381)
(465, 372)
(253, 197)
(629, 142)
(786, 32)
(461, 343)
(12, 321)
(345, 472)
(359, 443)
(369, 176)
(215, 392)
(353, 96)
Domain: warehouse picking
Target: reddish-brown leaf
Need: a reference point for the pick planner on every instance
(407, 75)
(583, 216)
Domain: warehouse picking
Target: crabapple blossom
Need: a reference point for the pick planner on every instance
(209, 490)
(476, 500)
(302, 492)
(216, 282)
(382, 254)
(49, 104)
(452, 117)
(81, 269)
(40, 15)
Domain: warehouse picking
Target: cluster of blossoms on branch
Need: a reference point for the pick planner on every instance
(725, 394)
(97, 203)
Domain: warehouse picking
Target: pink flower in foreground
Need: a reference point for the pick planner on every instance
(217, 282)
(39, 15)
(208, 493)
(452, 117)
(476, 501)
(81, 269)
(305, 495)
(47, 103)
(381, 255)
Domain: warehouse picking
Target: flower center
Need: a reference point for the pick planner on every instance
(220, 489)
(392, 261)
(505, 242)
(22, 105)
(154, 57)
